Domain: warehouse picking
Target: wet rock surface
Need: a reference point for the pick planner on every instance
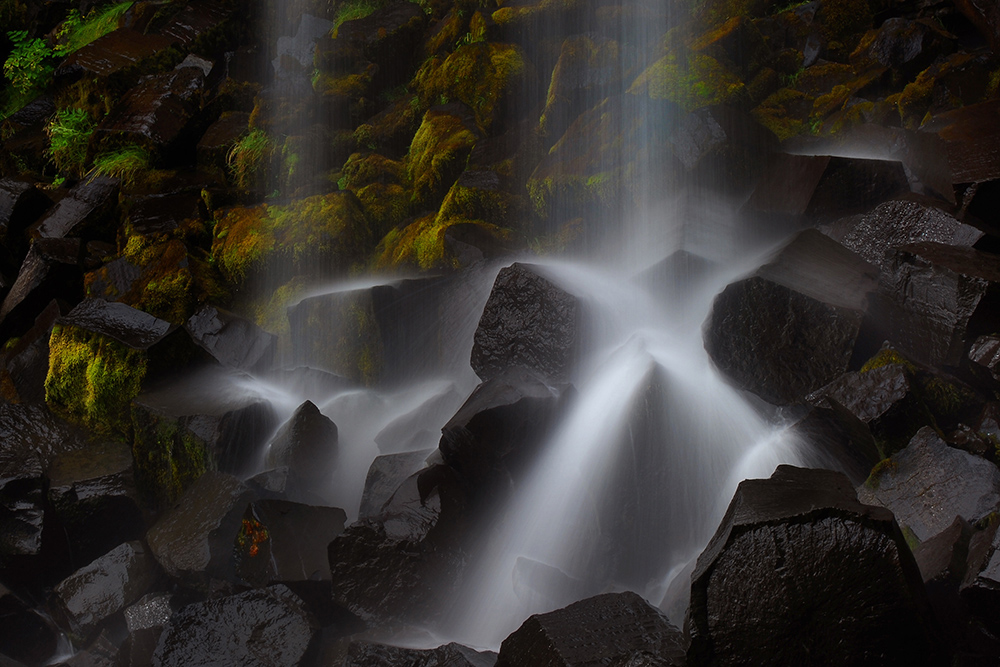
(129, 326)
(385, 475)
(370, 654)
(85, 212)
(50, 270)
(598, 630)
(757, 560)
(307, 445)
(232, 340)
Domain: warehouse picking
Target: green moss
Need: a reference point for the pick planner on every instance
(523, 16)
(480, 74)
(77, 31)
(93, 379)
(242, 239)
(248, 157)
(691, 80)
(885, 357)
(364, 169)
(353, 10)
(844, 22)
(69, 134)
(168, 458)
(438, 154)
(882, 468)
(785, 113)
(126, 164)
(385, 204)
(421, 244)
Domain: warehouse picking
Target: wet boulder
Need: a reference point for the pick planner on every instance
(900, 222)
(282, 541)
(106, 586)
(985, 357)
(197, 423)
(605, 629)
(267, 626)
(92, 496)
(118, 51)
(51, 270)
(214, 146)
(419, 428)
(934, 300)
(971, 136)
(25, 363)
(145, 620)
(196, 22)
(386, 34)
(232, 340)
(528, 321)
(21, 204)
(587, 67)
(793, 325)
(163, 213)
(193, 541)
(905, 45)
(25, 635)
(842, 441)
(370, 654)
(307, 444)
(495, 435)
(764, 592)
(928, 484)
(86, 212)
(385, 475)
(405, 562)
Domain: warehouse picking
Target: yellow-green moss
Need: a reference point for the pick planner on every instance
(882, 468)
(521, 16)
(886, 357)
(691, 80)
(421, 244)
(168, 458)
(844, 22)
(446, 33)
(92, 379)
(385, 205)
(480, 74)
(786, 113)
(438, 154)
(577, 53)
(242, 238)
(477, 204)
(364, 169)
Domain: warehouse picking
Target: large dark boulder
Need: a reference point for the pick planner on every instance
(50, 270)
(370, 654)
(608, 629)
(935, 299)
(258, 628)
(25, 362)
(21, 203)
(116, 51)
(106, 586)
(971, 136)
(385, 475)
(800, 572)
(232, 340)
(87, 212)
(528, 321)
(307, 444)
(25, 634)
(495, 435)
(928, 484)
(793, 325)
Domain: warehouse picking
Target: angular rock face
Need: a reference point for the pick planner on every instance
(928, 484)
(50, 270)
(107, 586)
(85, 213)
(792, 326)
(233, 341)
(145, 621)
(935, 299)
(127, 325)
(602, 630)
(385, 475)
(369, 654)
(530, 322)
(972, 141)
(21, 203)
(25, 635)
(116, 51)
(25, 364)
(307, 444)
(194, 540)
(494, 436)
(258, 628)
(801, 572)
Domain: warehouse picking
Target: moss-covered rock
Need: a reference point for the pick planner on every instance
(92, 379)
(959, 80)
(844, 23)
(689, 79)
(587, 66)
(439, 152)
(423, 244)
(391, 130)
(481, 75)
(317, 236)
(786, 113)
(737, 43)
(167, 458)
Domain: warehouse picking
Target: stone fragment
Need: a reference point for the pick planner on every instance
(232, 340)
(528, 321)
(21, 204)
(797, 556)
(385, 475)
(597, 631)
(193, 541)
(87, 212)
(107, 585)
(129, 326)
(116, 51)
(934, 300)
(307, 444)
(51, 270)
(792, 326)
(24, 365)
(258, 628)
(145, 620)
(928, 484)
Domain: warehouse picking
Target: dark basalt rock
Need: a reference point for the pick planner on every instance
(296, 540)
(30, 438)
(370, 654)
(25, 635)
(842, 441)
(788, 184)
(929, 483)
(494, 436)
(233, 341)
(602, 630)
(21, 203)
(985, 357)
(885, 398)
(384, 37)
(257, 628)
(404, 563)
(119, 50)
(587, 68)
(385, 475)
(25, 364)
(308, 445)
(145, 621)
(196, 20)
(897, 223)
(51, 270)
(127, 325)
(905, 45)
(676, 276)
(93, 498)
(215, 144)
(801, 572)
(410, 431)
(106, 586)
(528, 321)
(162, 214)
(971, 135)
(934, 300)
(193, 541)
(156, 112)
(104, 651)
(852, 185)
(980, 589)
(86, 212)
(793, 326)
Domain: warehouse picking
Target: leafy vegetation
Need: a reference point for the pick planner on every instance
(69, 134)
(124, 164)
(77, 31)
(28, 67)
(353, 10)
(247, 156)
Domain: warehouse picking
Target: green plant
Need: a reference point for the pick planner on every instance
(247, 156)
(27, 67)
(353, 10)
(69, 135)
(76, 31)
(124, 164)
